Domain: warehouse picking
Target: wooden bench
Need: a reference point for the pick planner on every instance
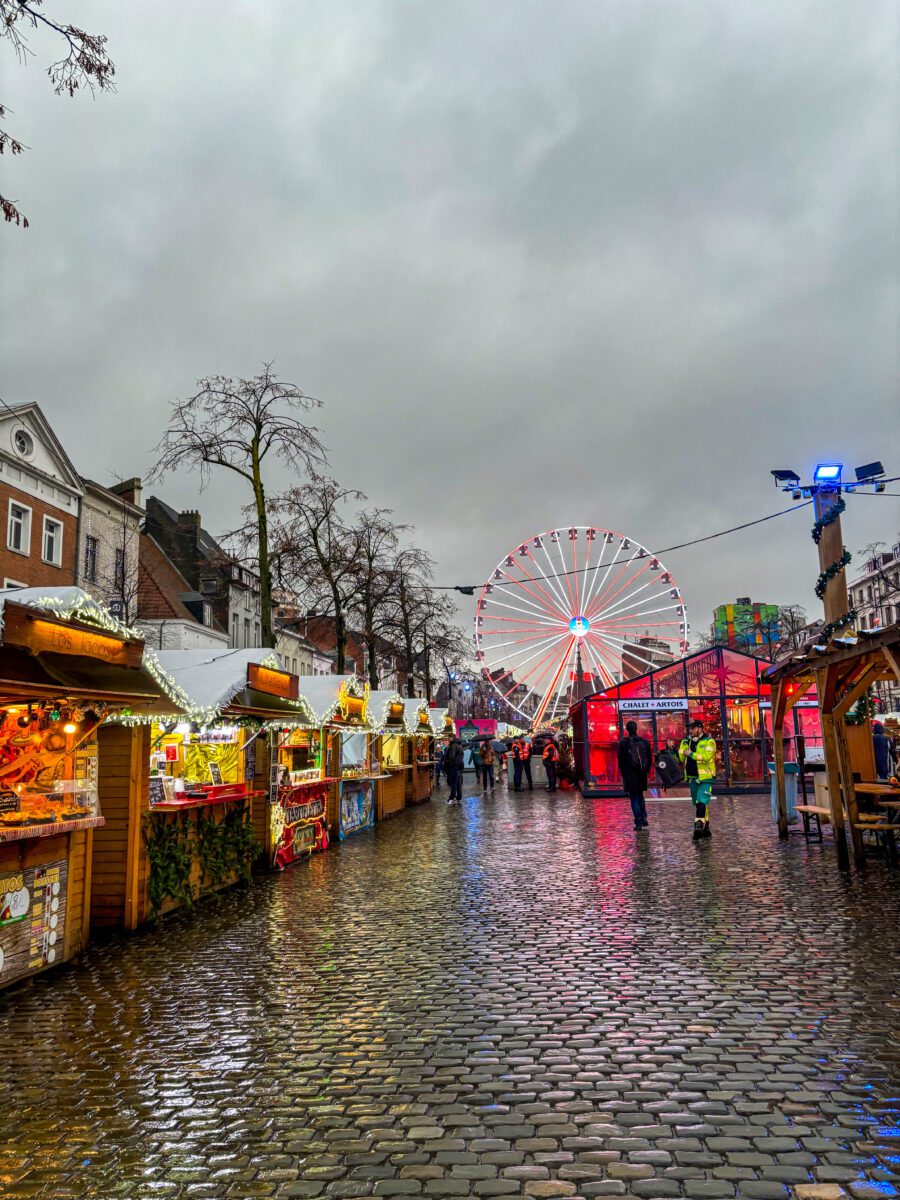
(816, 812)
(885, 832)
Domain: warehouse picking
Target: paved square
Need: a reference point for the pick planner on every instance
(520, 996)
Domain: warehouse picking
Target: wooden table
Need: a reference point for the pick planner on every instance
(888, 798)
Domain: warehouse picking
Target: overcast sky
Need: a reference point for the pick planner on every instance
(569, 261)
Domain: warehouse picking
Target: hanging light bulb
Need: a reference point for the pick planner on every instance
(70, 728)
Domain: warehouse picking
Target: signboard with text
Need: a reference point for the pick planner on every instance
(670, 704)
(32, 919)
(42, 634)
(272, 682)
(298, 825)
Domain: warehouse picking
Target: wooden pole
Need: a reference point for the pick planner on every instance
(779, 693)
(831, 547)
(825, 688)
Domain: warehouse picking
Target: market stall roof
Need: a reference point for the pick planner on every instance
(322, 694)
(412, 706)
(216, 684)
(379, 711)
(437, 720)
(61, 640)
(843, 647)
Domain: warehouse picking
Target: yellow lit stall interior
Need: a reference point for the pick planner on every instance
(179, 753)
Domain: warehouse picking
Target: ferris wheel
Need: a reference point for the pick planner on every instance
(572, 611)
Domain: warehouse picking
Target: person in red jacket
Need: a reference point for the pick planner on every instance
(551, 758)
(521, 749)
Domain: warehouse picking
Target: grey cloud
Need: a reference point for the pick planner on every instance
(545, 263)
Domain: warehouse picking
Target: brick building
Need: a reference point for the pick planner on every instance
(40, 496)
(231, 590)
(170, 614)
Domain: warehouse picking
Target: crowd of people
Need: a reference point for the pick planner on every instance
(691, 763)
(489, 758)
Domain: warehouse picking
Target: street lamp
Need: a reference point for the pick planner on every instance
(825, 490)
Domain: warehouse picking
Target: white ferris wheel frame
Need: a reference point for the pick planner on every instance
(560, 610)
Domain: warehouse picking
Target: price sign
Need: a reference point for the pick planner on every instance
(9, 802)
(215, 772)
(157, 789)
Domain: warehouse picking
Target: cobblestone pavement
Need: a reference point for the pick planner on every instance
(515, 997)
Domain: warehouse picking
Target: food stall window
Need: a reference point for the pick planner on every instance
(48, 764)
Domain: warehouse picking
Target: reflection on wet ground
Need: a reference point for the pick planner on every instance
(515, 997)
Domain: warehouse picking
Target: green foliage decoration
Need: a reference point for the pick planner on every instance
(170, 857)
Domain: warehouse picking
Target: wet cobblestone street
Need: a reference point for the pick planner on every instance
(516, 997)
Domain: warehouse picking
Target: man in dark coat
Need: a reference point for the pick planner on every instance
(635, 755)
(453, 765)
(882, 748)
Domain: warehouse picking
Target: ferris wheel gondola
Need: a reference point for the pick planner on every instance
(574, 607)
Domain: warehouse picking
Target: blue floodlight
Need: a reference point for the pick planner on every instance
(468, 687)
(828, 473)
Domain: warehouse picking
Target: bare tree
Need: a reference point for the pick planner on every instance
(375, 540)
(85, 63)
(792, 620)
(237, 424)
(412, 608)
(315, 552)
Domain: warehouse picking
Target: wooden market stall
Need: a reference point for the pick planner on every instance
(65, 666)
(390, 752)
(197, 822)
(420, 780)
(339, 704)
(304, 782)
(841, 670)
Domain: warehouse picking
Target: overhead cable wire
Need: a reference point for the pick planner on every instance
(469, 589)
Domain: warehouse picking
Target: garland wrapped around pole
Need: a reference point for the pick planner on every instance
(831, 571)
(828, 519)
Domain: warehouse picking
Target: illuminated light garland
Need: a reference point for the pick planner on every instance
(77, 605)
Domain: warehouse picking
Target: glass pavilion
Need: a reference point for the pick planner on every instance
(723, 687)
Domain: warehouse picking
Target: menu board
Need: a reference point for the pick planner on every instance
(297, 819)
(157, 790)
(32, 919)
(9, 801)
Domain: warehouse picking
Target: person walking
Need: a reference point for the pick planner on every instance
(521, 749)
(475, 748)
(882, 748)
(453, 765)
(551, 758)
(635, 755)
(488, 757)
(697, 753)
(440, 752)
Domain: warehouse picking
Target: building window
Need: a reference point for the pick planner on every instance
(235, 631)
(246, 631)
(18, 529)
(13, 583)
(207, 614)
(208, 586)
(24, 443)
(91, 546)
(51, 550)
(119, 575)
(257, 633)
